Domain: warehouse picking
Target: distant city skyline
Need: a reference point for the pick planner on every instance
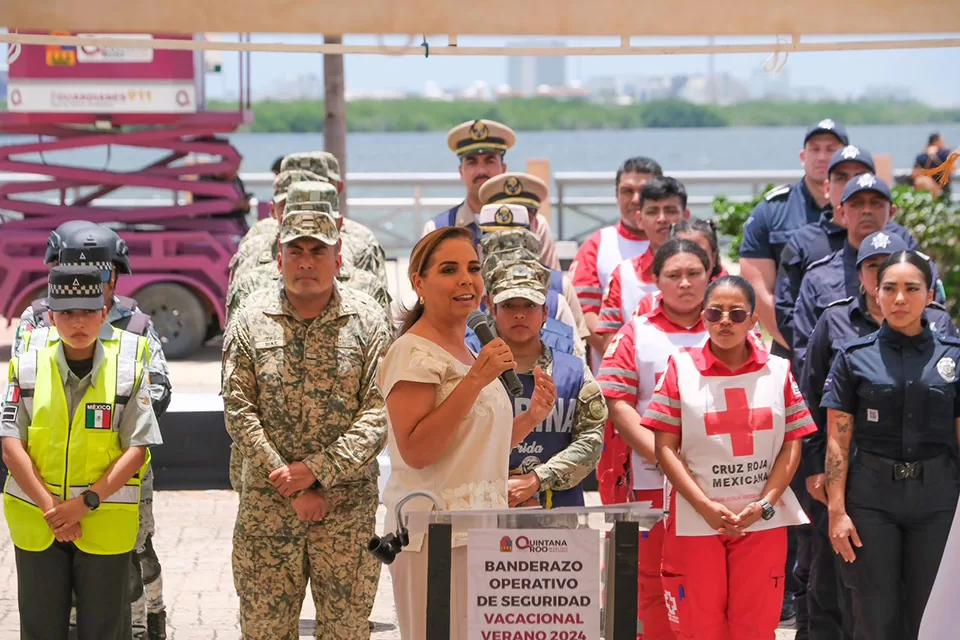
(927, 75)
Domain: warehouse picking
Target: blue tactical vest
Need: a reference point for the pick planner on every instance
(556, 432)
(555, 334)
(449, 219)
(556, 281)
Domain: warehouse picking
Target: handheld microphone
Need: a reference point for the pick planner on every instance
(478, 322)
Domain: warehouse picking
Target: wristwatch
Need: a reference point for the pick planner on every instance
(768, 510)
(91, 499)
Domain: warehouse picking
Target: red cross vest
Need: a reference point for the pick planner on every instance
(612, 249)
(733, 431)
(652, 348)
(633, 289)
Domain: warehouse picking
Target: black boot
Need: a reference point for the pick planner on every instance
(157, 626)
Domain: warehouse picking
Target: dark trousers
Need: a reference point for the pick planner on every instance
(903, 525)
(798, 561)
(828, 599)
(46, 580)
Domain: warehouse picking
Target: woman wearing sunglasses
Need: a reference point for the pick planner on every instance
(893, 400)
(634, 361)
(728, 419)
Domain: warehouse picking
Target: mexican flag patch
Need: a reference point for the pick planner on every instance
(13, 393)
(98, 416)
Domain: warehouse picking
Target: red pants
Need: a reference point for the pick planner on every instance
(722, 588)
(651, 609)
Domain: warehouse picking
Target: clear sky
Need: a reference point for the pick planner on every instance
(931, 75)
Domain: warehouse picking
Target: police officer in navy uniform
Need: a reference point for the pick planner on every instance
(817, 240)
(767, 231)
(892, 474)
(480, 146)
(842, 322)
(782, 211)
(867, 207)
(548, 467)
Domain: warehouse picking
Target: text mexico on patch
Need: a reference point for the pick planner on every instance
(532, 545)
(98, 416)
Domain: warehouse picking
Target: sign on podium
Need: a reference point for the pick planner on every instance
(557, 574)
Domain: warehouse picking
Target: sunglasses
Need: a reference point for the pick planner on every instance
(737, 316)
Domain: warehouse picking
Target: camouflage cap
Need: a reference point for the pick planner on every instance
(333, 166)
(313, 161)
(492, 260)
(312, 196)
(286, 178)
(313, 224)
(518, 238)
(525, 279)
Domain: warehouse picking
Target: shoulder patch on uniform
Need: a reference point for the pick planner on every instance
(592, 398)
(837, 303)
(777, 193)
(13, 393)
(9, 413)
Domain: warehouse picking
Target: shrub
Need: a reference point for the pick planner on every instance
(935, 223)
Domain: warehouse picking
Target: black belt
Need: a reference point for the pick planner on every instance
(929, 469)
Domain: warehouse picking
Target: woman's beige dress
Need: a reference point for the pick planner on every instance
(472, 474)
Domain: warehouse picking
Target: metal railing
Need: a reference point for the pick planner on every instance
(396, 205)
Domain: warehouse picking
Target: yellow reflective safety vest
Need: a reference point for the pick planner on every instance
(73, 452)
(130, 344)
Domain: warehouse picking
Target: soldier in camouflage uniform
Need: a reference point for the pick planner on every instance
(551, 462)
(510, 245)
(301, 197)
(262, 236)
(359, 242)
(301, 405)
(306, 196)
(507, 209)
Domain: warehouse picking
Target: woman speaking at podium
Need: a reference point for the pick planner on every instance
(450, 421)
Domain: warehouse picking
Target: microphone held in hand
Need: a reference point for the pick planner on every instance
(478, 322)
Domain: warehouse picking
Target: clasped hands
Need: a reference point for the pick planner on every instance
(63, 518)
(295, 477)
(728, 523)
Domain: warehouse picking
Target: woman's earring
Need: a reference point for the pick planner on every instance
(420, 300)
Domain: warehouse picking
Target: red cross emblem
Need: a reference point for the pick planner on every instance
(739, 421)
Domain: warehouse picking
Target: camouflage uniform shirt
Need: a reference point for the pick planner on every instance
(303, 390)
(267, 274)
(365, 252)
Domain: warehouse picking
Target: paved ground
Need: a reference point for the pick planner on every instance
(194, 530)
